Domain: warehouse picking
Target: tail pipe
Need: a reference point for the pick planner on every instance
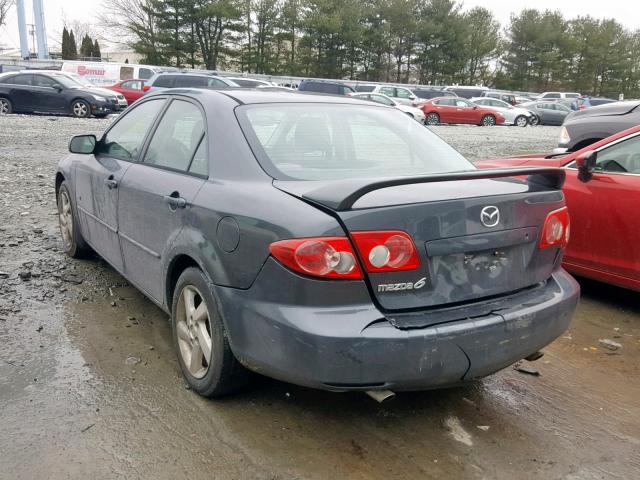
(381, 396)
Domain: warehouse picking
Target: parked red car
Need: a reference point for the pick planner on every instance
(131, 89)
(602, 191)
(459, 110)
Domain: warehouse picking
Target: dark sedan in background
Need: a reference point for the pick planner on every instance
(548, 112)
(293, 235)
(53, 93)
(593, 124)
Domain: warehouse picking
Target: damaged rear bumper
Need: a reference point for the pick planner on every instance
(315, 339)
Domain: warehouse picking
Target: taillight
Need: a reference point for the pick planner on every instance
(387, 251)
(146, 88)
(556, 229)
(326, 257)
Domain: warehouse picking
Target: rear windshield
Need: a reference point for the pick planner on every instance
(319, 141)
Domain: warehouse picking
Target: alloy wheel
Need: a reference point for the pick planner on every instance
(521, 121)
(80, 109)
(194, 331)
(488, 121)
(433, 119)
(65, 217)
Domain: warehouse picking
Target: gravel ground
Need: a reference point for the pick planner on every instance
(89, 383)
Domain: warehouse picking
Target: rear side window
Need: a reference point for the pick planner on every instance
(126, 73)
(552, 95)
(22, 80)
(389, 91)
(177, 137)
(8, 79)
(132, 84)
(125, 139)
(572, 95)
(42, 81)
(190, 81)
(403, 93)
(164, 81)
(333, 141)
(365, 88)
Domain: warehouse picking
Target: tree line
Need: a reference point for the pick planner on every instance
(89, 48)
(410, 41)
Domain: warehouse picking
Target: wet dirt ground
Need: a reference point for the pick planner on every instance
(89, 384)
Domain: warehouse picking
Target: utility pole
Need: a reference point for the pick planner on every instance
(38, 19)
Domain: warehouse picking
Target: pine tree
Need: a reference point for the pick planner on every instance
(73, 49)
(96, 49)
(65, 44)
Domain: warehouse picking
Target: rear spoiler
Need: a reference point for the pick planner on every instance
(342, 194)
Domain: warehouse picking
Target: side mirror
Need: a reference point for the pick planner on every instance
(586, 163)
(83, 144)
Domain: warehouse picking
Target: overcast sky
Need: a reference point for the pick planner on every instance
(625, 11)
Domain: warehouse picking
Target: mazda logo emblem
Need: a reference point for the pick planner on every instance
(490, 216)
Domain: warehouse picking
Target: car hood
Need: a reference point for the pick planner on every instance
(103, 92)
(617, 108)
(532, 160)
(408, 109)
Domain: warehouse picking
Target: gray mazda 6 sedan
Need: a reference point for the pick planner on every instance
(324, 241)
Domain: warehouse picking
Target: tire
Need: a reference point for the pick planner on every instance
(432, 119)
(535, 120)
(220, 373)
(6, 107)
(488, 121)
(521, 121)
(73, 243)
(80, 109)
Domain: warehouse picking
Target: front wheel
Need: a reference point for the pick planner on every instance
(200, 338)
(535, 120)
(73, 243)
(80, 109)
(433, 119)
(521, 121)
(488, 121)
(5, 106)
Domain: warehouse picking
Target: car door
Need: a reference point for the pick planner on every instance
(132, 90)
(98, 180)
(446, 109)
(404, 96)
(156, 194)
(547, 113)
(47, 95)
(465, 112)
(604, 212)
(21, 92)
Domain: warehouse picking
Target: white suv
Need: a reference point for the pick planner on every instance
(557, 95)
(399, 94)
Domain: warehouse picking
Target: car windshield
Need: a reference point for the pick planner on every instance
(319, 141)
(66, 81)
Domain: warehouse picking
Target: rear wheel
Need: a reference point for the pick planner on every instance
(521, 121)
(73, 243)
(535, 120)
(433, 119)
(200, 338)
(5, 106)
(488, 121)
(80, 109)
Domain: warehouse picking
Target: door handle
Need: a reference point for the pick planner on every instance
(175, 201)
(111, 183)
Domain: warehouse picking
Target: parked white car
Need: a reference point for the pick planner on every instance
(557, 95)
(520, 117)
(414, 112)
(399, 94)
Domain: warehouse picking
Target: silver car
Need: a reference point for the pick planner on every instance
(413, 112)
(512, 115)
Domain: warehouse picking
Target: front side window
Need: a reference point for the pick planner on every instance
(462, 103)
(403, 93)
(125, 139)
(145, 73)
(331, 142)
(623, 157)
(126, 73)
(42, 81)
(177, 138)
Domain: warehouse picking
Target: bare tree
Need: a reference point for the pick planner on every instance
(5, 5)
(131, 23)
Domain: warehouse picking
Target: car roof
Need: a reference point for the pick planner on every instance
(245, 96)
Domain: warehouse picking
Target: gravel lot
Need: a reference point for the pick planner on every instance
(89, 384)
